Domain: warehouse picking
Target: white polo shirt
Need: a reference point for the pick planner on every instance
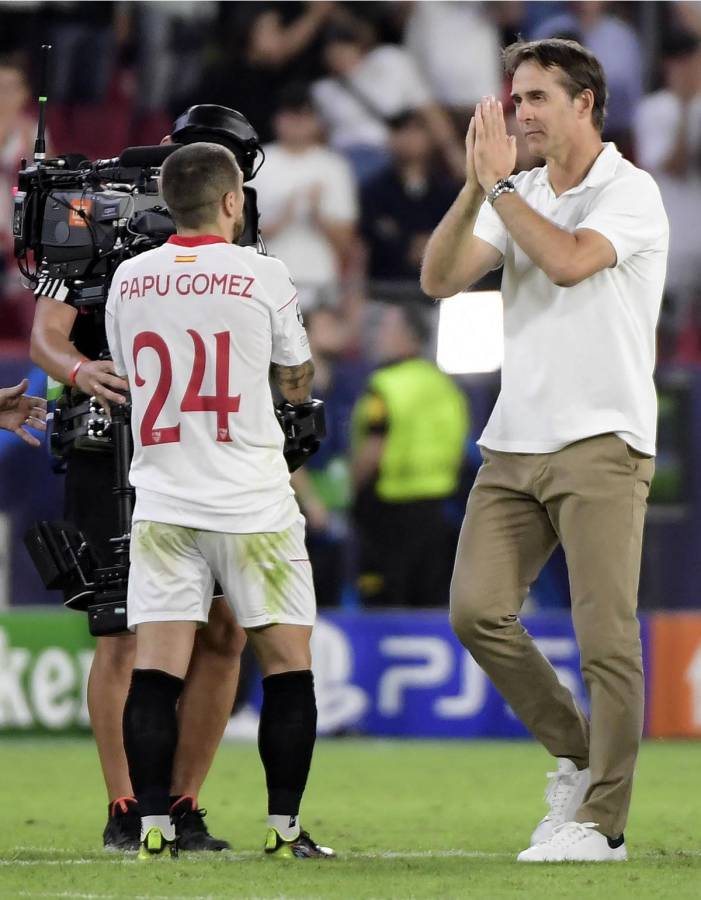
(578, 361)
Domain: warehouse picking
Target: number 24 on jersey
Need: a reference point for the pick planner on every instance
(193, 401)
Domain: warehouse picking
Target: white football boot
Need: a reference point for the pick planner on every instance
(564, 794)
(576, 842)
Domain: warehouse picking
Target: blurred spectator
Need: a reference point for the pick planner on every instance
(168, 39)
(366, 87)
(260, 48)
(686, 16)
(404, 202)
(17, 134)
(307, 201)
(532, 13)
(619, 50)
(18, 23)
(323, 484)
(409, 435)
(668, 144)
(456, 47)
(84, 40)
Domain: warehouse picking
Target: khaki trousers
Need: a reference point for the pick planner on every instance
(591, 497)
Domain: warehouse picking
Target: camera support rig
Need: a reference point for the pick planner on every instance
(63, 557)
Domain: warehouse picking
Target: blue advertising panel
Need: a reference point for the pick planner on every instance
(397, 674)
(405, 673)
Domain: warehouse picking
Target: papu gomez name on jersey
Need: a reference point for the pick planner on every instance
(185, 284)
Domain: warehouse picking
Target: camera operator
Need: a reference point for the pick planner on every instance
(68, 343)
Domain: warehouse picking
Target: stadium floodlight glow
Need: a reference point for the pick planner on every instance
(471, 333)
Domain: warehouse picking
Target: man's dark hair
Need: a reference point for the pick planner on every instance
(406, 117)
(679, 43)
(195, 178)
(581, 70)
(294, 97)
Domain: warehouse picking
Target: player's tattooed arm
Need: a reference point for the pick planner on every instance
(294, 382)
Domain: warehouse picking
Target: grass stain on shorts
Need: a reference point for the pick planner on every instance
(266, 554)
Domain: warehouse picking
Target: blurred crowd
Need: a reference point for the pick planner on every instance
(362, 109)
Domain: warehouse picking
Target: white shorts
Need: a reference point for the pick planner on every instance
(266, 578)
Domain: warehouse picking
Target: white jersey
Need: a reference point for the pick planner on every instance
(194, 326)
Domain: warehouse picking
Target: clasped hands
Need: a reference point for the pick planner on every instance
(491, 152)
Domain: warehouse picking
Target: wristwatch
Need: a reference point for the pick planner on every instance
(503, 186)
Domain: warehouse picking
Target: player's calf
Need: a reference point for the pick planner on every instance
(150, 738)
(286, 742)
(287, 732)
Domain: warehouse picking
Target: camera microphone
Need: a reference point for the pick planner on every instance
(146, 157)
(138, 157)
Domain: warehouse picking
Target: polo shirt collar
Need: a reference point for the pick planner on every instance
(602, 170)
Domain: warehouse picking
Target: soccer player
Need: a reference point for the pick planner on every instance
(196, 326)
(569, 449)
(67, 342)
(70, 344)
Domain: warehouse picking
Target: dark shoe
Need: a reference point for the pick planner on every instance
(123, 828)
(190, 829)
(302, 847)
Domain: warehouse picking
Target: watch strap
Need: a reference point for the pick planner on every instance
(503, 186)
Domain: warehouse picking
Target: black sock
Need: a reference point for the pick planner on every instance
(286, 738)
(150, 729)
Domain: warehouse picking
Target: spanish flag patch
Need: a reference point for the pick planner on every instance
(186, 259)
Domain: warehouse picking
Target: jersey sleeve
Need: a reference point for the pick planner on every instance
(629, 213)
(372, 413)
(112, 328)
(289, 337)
(490, 228)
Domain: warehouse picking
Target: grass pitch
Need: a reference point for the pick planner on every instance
(409, 820)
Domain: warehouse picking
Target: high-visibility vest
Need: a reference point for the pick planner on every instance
(427, 427)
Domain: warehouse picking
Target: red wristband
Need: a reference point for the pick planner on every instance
(74, 371)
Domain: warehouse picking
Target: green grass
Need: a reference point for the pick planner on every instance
(409, 819)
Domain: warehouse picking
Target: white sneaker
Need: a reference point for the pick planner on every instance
(575, 842)
(564, 794)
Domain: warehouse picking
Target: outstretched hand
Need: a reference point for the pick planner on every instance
(18, 410)
(495, 150)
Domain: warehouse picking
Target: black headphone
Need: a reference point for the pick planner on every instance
(220, 125)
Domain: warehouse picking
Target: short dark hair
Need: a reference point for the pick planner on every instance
(581, 69)
(679, 43)
(408, 116)
(294, 97)
(195, 178)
